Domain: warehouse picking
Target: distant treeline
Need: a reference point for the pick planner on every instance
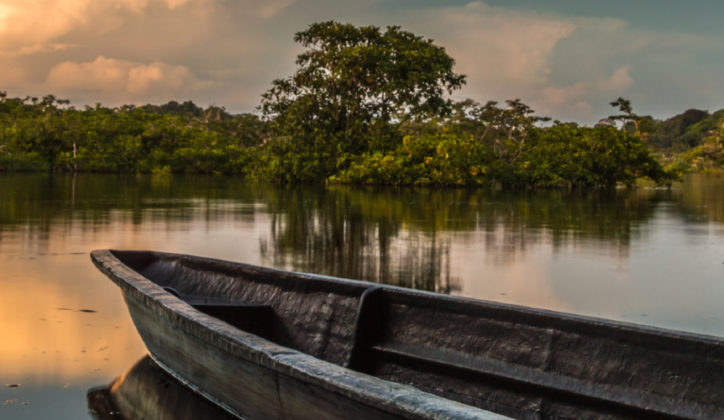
(47, 134)
(692, 141)
(365, 106)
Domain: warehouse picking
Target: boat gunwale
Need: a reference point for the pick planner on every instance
(590, 326)
(397, 398)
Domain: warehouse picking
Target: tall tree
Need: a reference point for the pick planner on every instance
(627, 115)
(354, 81)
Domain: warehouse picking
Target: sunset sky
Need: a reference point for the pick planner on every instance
(565, 58)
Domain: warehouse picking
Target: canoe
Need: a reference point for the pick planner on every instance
(266, 343)
(146, 391)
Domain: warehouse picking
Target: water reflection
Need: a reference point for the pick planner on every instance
(357, 234)
(403, 237)
(396, 236)
(48, 334)
(645, 256)
(146, 391)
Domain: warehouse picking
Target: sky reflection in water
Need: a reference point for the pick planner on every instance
(647, 256)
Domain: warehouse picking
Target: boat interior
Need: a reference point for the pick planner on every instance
(515, 361)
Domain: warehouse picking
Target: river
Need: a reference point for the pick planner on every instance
(647, 256)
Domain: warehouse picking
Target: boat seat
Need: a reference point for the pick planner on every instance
(253, 318)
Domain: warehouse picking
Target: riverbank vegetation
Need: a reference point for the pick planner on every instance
(365, 106)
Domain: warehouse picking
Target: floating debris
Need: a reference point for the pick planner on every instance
(88, 311)
(24, 403)
(13, 385)
(103, 348)
(8, 402)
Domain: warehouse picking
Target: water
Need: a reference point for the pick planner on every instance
(648, 256)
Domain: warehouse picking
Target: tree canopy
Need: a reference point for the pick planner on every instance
(362, 73)
(352, 84)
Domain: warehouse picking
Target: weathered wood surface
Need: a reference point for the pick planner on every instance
(255, 378)
(316, 337)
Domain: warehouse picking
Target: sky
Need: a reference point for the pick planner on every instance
(567, 59)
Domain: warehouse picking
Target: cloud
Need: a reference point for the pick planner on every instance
(64, 47)
(566, 67)
(571, 67)
(34, 23)
(662, 72)
(121, 80)
(172, 4)
(30, 24)
(270, 8)
(619, 80)
(504, 52)
(575, 100)
(510, 54)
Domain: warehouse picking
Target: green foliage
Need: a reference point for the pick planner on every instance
(475, 145)
(602, 157)
(682, 131)
(688, 142)
(352, 87)
(48, 135)
(564, 155)
(435, 158)
(708, 156)
(26, 162)
(365, 106)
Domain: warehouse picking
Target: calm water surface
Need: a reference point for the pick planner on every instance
(649, 256)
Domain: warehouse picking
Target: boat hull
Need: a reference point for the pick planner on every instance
(295, 345)
(242, 386)
(253, 378)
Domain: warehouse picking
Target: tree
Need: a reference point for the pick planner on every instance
(354, 85)
(504, 130)
(627, 116)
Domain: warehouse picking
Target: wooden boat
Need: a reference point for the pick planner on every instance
(265, 343)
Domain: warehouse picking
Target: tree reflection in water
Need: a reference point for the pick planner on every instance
(357, 234)
(401, 236)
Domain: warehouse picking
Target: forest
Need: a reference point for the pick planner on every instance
(365, 106)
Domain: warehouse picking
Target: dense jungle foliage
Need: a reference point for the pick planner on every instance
(365, 106)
